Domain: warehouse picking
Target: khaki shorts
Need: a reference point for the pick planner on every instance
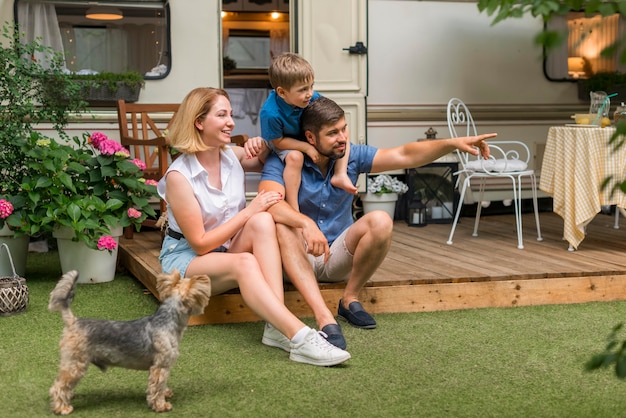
(339, 264)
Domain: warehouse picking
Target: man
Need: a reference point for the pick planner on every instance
(322, 242)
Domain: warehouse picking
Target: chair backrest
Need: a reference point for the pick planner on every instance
(459, 117)
(506, 156)
(460, 123)
(141, 131)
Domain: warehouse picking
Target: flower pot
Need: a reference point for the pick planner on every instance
(18, 246)
(93, 266)
(382, 201)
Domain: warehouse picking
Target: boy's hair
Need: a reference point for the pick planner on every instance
(183, 134)
(320, 113)
(288, 69)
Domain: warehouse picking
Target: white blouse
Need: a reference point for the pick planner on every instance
(217, 206)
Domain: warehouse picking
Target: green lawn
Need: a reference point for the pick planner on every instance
(516, 362)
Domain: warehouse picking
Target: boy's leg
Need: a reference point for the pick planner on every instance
(293, 176)
(340, 177)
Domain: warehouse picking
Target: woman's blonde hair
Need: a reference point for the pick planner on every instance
(288, 69)
(183, 134)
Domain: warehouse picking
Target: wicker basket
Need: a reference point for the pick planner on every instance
(13, 291)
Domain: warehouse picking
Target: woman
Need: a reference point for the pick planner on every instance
(211, 231)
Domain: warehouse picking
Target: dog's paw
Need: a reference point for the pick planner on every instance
(63, 410)
(169, 393)
(162, 407)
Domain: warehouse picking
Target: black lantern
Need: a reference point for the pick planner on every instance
(417, 212)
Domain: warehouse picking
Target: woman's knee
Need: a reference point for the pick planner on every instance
(262, 222)
(245, 264)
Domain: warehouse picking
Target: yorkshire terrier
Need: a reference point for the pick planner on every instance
(150, 343)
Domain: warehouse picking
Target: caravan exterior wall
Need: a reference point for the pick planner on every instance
(420, 54)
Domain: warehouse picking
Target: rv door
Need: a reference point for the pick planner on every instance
(332, 36)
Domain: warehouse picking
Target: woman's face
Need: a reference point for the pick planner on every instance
(216, 127)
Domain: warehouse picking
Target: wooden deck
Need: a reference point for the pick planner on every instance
(423, 273)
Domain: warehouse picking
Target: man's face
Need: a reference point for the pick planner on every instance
(332, 140)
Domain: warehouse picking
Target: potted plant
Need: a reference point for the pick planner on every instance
(608, 82)
(228, 64)
(382, 194)
(109, 87)
(87, 192)
(26, 103)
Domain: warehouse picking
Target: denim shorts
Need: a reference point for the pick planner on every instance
(177, 254)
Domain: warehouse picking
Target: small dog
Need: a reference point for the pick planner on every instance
(150, 343)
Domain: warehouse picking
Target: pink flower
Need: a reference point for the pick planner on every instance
(139, 163)
(6, 209)
(109, 147)
(97, 137)
(151, 182)
(134, 213)
(107, 242)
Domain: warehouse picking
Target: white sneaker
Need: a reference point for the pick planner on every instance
(317, 351)
(274, 338)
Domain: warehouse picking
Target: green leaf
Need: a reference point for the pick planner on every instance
(66, 180)
(43, 182)
(113, 204)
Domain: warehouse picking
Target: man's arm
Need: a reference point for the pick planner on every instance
(284, 213)
(416, 154)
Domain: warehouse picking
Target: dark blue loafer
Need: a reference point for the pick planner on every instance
(332, 333)
(356, 315)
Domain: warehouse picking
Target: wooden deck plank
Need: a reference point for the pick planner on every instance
(423, 273)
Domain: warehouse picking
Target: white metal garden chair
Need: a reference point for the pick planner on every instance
(509, 160)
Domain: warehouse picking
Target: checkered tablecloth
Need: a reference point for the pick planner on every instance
(575, 163)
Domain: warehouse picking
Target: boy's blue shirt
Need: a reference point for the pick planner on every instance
(279, 119)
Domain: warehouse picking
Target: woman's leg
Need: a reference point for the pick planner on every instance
(231, 270)
(258, 237)
(242, 269)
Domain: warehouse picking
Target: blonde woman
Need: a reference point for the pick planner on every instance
(211, 231)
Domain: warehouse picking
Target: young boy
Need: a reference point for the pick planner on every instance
(291, 77)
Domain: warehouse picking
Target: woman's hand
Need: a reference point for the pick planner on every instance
(264, 200)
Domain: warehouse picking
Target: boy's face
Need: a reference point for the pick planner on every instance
(298, 95)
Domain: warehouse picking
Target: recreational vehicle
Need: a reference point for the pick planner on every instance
(392, 64)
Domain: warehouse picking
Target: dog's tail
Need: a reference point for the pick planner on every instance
(62, 295)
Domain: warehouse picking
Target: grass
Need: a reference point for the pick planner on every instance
(516, 362)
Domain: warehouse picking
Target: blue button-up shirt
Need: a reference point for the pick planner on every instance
(330, 207)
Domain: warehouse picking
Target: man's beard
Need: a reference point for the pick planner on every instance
(332, 154)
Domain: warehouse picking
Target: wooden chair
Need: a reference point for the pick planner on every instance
(141, 132)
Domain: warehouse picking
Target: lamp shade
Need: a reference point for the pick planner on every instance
(575, 64)
(104, 13)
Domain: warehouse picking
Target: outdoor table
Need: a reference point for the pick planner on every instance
(576, 162)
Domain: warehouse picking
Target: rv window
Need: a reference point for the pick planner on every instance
(137, 40)
(587, 36)
(249, 48)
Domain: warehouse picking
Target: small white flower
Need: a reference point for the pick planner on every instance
(384, 183)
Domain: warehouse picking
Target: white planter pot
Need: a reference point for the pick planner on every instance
(18, 246)
(384, 201)
(93, 266)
